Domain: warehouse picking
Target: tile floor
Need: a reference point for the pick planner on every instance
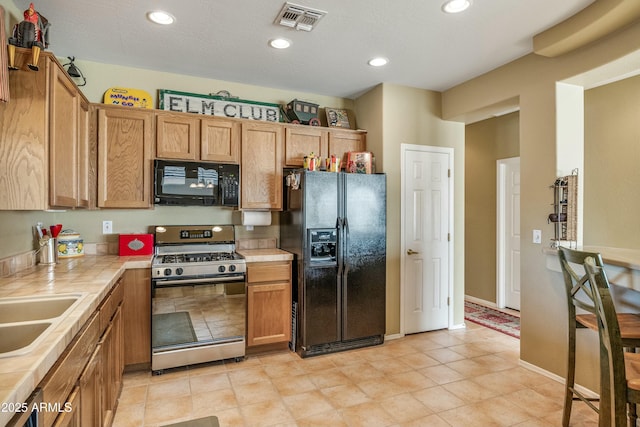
(469, 377)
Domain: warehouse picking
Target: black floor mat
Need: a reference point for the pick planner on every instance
(172, 329)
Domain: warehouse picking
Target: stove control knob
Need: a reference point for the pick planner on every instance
(179, 271)
(167, 272)
(232, 267)
(221, 269)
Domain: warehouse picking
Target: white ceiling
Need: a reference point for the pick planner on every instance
(227, 39)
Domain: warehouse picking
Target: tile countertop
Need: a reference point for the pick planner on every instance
(93, 276)
(265, 255)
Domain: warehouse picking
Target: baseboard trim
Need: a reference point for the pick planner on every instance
(480, 301)
(393, 337)
(458, 326)
(585, 391)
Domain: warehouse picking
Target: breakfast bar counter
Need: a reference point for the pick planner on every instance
(621, 265)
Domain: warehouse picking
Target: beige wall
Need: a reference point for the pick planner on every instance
(532, 80)
(396, 115)
(17, 233)
(485, 142)
(612, 179)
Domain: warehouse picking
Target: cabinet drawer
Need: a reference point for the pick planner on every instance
(268, 272)
(61, 379)
(110, 304)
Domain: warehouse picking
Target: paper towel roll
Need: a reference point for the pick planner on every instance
(256, 218)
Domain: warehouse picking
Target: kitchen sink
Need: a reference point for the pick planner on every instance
(18, 338)
(25, 321)
(26, 309)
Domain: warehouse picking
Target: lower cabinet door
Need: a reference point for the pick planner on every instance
(269, 313)
(70, 414)
(90, 391)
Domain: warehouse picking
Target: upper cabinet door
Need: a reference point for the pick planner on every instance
(84, 155)
(261, 172)
(220, 140)
(64, 103)
(177, 136)
(343, 141)
(24, 181)
(125, 136)
(300, 141)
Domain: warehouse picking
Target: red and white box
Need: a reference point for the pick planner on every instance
(136, 244)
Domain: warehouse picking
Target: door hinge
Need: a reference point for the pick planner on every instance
(448, 300)
(448, 237)
(449, 173)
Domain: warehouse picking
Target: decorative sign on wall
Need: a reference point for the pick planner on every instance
(128, 97)
(214, 105)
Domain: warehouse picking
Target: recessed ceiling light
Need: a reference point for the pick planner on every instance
(161, 17)
(378, 62)
(456, 6)
(279, 43)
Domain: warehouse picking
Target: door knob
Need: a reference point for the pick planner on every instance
(412, 252)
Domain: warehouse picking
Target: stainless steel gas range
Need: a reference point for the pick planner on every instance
(198, 296)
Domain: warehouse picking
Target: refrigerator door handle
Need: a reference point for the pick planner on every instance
(345, 256)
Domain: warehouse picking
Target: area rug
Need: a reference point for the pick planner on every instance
(492, 319)
(171, 329)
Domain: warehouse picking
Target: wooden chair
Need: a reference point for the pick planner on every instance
(620, 370)
(578, 296)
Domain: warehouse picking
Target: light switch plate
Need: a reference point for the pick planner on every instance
(537, 236)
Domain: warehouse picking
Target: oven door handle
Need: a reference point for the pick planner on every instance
(159, 283)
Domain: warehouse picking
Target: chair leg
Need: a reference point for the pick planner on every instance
(571, 373)
(633, 416)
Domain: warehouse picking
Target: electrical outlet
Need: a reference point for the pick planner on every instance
(107, 227)
(537, 236)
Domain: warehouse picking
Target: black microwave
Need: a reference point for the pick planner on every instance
(196, 183)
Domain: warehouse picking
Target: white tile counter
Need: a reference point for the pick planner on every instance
(93, 276)
(265, 255)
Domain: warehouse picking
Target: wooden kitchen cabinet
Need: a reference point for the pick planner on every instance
(261, 172)
(62, 378)
(343, 141)
(188, 137)
(72, 417)
(90, 385)
(301, 140)
(42, 151)
(88, 375)
(137, 318)
(268, 303)
(125, 137)
(64, 116)
(112, 367)
(86, 156)
(177, 136)
(220, 140)
(111, 352)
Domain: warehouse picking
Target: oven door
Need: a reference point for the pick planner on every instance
(197, 321)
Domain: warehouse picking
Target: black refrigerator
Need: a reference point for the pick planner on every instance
(335, 225)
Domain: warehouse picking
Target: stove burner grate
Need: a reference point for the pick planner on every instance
(201, 257)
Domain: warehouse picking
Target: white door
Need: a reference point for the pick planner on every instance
(509, 233)
(426, 232)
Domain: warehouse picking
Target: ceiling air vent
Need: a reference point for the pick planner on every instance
(299, 17)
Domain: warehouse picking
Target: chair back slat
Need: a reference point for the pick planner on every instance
(611, 348)
(576, 285)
